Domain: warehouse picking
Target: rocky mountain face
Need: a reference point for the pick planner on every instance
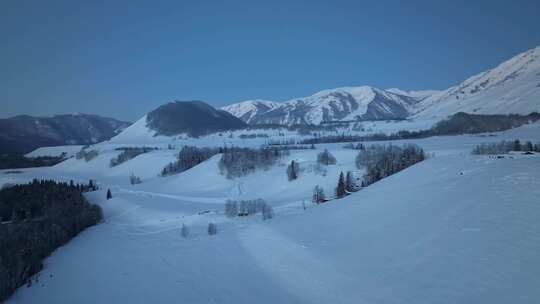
(513, 87)
(22, 134)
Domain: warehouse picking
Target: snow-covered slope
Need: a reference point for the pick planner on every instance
(511, 87)
(341, 104)
(453, 229)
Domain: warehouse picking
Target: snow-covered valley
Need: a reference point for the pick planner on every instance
(455, 228)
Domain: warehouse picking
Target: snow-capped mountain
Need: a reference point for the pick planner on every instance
(511, 87)
(341, 104)
(248, 110)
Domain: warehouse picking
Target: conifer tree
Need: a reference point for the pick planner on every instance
(109, 194)
(292, 171)
(349, 182)
(340, 190)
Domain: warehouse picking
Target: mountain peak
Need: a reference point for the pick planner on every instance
(193, 117)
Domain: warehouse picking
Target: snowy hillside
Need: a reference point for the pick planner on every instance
(347, 103)
(424, 235)
(511, 87)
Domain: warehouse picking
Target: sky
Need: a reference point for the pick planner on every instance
(124, 58)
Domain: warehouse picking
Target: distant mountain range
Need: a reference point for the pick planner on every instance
(22, 134)
(511, 87)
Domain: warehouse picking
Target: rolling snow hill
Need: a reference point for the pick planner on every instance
(455, 228)
(511, 87)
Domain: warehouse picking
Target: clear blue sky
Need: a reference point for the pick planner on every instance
(122, 59)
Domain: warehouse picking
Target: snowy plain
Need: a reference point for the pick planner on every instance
(455, 228)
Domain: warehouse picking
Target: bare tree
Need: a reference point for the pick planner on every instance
(318, 195)
(326, 158)
(184, 231)
(212, 229)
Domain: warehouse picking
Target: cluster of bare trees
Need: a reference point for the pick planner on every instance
(318, 195)
(235, 208)
(326, 158)
(358, 146)
(504, 147)
(88, 155)
(236, 162)
(133, 179)
(381, 161)
(188, 158)
(129, 153)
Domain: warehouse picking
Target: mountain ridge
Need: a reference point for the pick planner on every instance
(24, 133)
(512, 87)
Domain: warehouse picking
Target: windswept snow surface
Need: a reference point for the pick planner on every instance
(455, 228)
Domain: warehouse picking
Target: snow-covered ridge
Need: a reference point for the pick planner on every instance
(345, 103)
(511, 87)
(249, 109)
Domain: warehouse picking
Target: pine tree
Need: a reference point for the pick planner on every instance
(340, 190)
(349, 182)
(109, 194)
(292, 171)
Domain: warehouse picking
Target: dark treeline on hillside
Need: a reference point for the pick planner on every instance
(381, 161)
(37, 218)
(188, 158)
(504, 147)
(236, 162)
(460, 123)
(129, 153)
(305, 129)
(13, 161)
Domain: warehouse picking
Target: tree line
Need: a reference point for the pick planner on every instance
(236, 162)
(459, 123)
(129, 153)
(504, 147)
(188, 158)
(381, 161)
